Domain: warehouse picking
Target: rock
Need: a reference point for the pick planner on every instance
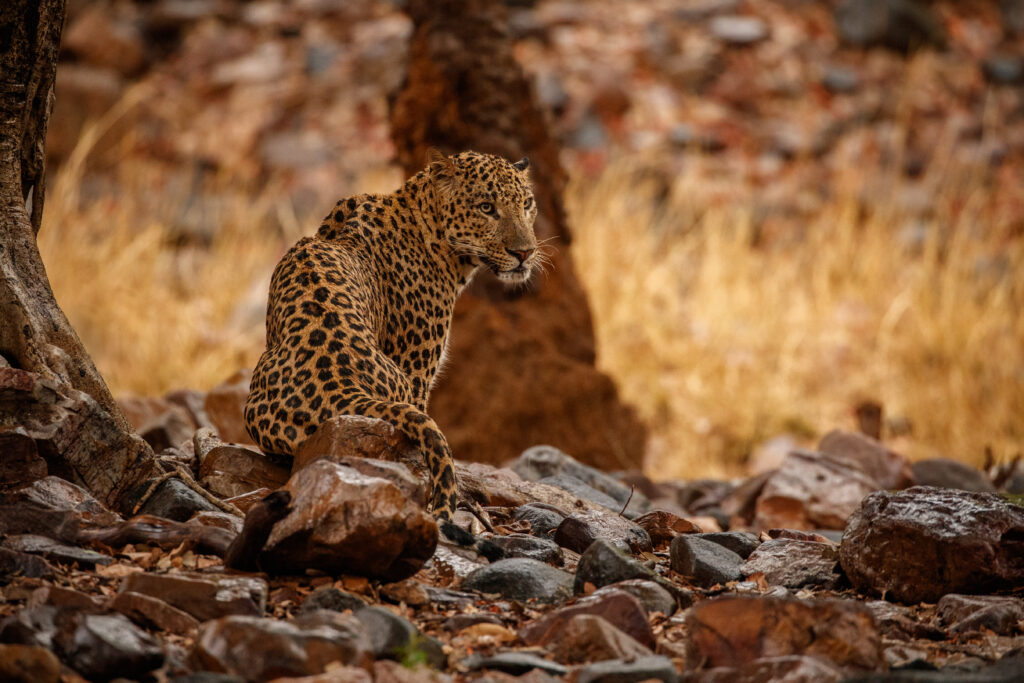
(14, 564)
(578, 531)
(229, 471)
(225, 404)
(589, 638)
(64, 597)
(191, 401)
(922, 543)
(579, 489)
(28, 664)
(730, 631)
(459, 622)
(79, 440)
(245, 501)
(395, 637)
(787, 669)
(700, 494)
(331, 598)
(704, 562)
(1003, 69)
(663, 526)
(21, 463)
(794, 564)
(54, 551)
(650, 668)
(174, 499)
(415, 488)
(337, 673)
(542, 462)
(543, 518)
(840, 79)
(105, 646)
(515, 663)
(740, 542)
(899, 623)
(342, 521)
(219, 520)
(951, 474)
(204, 597)
(347, 436)
(888, 469)
(524, 545)
(615, 606)
(969, 613)
(603, 563)
(170, 429)
(392, 672)
(653, 597)
(55, 494)
(262, 649)
(153, 613)
(737, 29)
(898, 24)
(519, 578)
(811, 491)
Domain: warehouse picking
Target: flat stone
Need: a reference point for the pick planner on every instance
(795, 564)
(204, 597)
(393, 637)
(887, 468)
(105, 646)
(59, 495)
(578, 531)
(230, 470)
(28, 664)
(615, 606)
(543, 519)
(225, 406)
(581, 490)
(14, 564)
(704, 562)
(150, 612)
(652, 596)
(651, 668)
(59, 596)
(740, 542)
(589, 638)
(175, 500)
(525, 545)
(342, 521)
(971, 613)
(347, 436)
(951, 474)
(329, 597)
(520, 578)
(730, 631)
(54, 551)
(515, 663)
(922, 543)
(263, 649)
(603, 563)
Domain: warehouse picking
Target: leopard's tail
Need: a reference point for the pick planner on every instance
(424, 433)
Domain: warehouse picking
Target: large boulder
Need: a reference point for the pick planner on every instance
(922, 543)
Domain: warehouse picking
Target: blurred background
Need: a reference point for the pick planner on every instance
(788, 215)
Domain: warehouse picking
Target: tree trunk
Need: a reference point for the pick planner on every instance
(35, 336)
(522, 363)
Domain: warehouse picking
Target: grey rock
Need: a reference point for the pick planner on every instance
(579, 489)
(705, 563)
(653, 596)
(794, 564)
(898, 24)
(1009, 669)
(525, 545)
(737, 29)
(840, 79)
(174, 499)
(520, 578)
(740, 542)
(34, 625)
(515, 663)
(603, 564)
(106, 646)
(14, 564)
(1004, 69)
(951, 474)
(204, 597)
(543, 519)
(655, 667)
(699, 494)
(577, 532)
(541, 462)
(329, 597)
(54, 551)
(970, 613)
(393, 636)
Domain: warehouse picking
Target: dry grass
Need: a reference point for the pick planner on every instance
(722, 340)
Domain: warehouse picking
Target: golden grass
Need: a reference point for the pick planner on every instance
(722, 342)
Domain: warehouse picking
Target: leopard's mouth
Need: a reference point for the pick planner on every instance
(517, 275)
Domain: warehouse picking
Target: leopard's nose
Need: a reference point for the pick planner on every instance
(521, 254)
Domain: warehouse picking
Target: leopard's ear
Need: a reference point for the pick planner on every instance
(442, 171)
(522, 164)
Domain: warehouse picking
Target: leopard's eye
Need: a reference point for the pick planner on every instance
(527, 203)
(486, 207)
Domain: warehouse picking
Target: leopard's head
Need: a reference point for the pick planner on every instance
(486, 206)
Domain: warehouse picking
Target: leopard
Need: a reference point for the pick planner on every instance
(359, 314)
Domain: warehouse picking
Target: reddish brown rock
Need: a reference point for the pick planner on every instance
(150, 612)
(922, 543)
(229, 470)
(28, 664)
(247, 500)
(731, 631)
(578, 531)
(21, 463)
(889, 469)
(264, 649)
(59, 495)
(663, 526)
(1000, 614)
(355, 435)
(336, 674)
(343, 521)
(794, 564)
(589, 638)
(785, 669)
(63, 597)
(385, 671)
(614, 606)
(203, 597)
(225, 404)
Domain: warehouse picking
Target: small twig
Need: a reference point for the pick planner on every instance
(623, 510)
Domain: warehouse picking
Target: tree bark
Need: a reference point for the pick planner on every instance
(35, 336)
(522, 368)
